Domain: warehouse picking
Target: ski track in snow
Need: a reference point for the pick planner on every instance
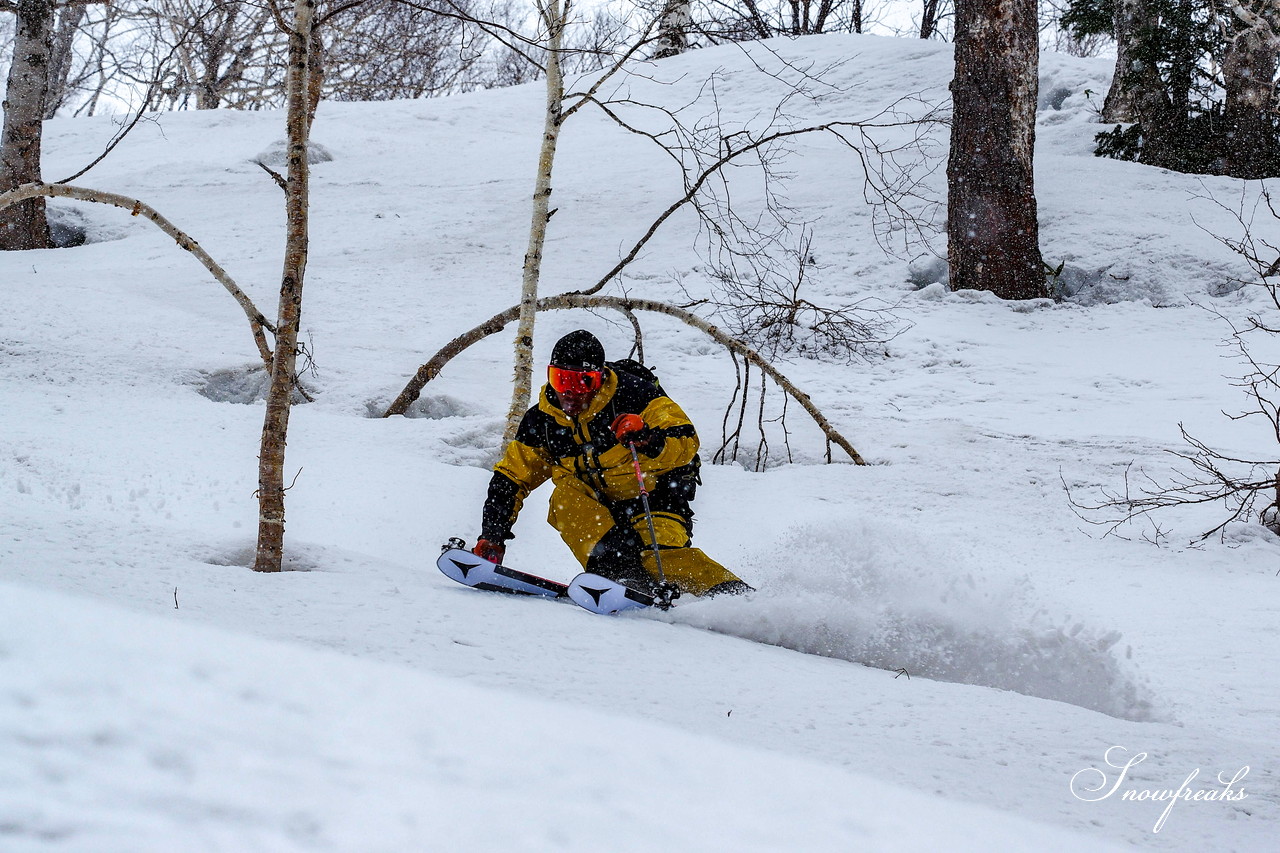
(211, 713)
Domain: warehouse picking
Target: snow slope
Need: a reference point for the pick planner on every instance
(155, 694)
(135, 733)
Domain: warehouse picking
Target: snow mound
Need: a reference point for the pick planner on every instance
(243, 385)
(276, 155)
(433, 407)
(893, 603)
(73, 224)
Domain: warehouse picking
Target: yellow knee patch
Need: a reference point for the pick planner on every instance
(670, 529)
(688, 568)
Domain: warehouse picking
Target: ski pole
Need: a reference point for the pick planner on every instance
(664, 591)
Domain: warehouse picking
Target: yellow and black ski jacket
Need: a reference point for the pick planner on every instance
(552, 445)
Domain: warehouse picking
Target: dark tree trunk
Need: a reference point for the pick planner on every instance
(1130, 15)
(64, 34)
(1138, 93)
(23, 225)
(1163, 124)
(993, 237)
(930, 11)
(1248, 72)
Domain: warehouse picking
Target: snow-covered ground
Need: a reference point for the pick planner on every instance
(941, 654)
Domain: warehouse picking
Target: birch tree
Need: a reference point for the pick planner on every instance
(553, 16)
(271, 483)
(564, 301)
(674, 22)
(704, 147)
(993, 237)
(1248, 72)
(24, 225)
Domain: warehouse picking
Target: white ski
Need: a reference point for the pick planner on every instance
(589, 591)
(466, 568)
(601, 595)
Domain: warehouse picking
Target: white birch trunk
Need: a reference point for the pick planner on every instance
(270, 551)
(673, 29)
(553, 14)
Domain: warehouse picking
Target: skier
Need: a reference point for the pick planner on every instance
(579, 436)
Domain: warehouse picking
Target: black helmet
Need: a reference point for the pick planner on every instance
(578, 350)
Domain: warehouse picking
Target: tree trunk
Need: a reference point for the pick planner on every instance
(24, 226)
(855, 14)
(1129, 17)
(275, 427)
(553, 17)
(1159, 102)
(929, 12)
(315, 77)
(60, 57)
(993, 237)
(673, 29)
(1248, 71)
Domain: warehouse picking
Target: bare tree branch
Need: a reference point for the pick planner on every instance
(275, 176)
(153, 86)
(589, 96)
(509, 38)
(637, 348)
(257, 321)
(565, 301)
(841, 130)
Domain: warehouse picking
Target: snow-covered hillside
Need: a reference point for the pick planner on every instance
(155, 694)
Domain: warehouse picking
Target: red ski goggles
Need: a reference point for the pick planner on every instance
(567, 381)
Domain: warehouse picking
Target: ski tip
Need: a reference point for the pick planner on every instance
(468, 569)
(606, 597)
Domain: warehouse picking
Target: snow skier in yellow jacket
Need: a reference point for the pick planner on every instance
(579, 436)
